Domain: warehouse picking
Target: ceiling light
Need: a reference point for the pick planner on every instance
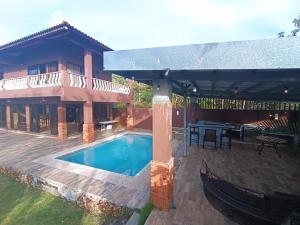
(195, 90)
(286, 90)
(236, 91)
(167, 72)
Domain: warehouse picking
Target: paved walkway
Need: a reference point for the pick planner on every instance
(18, 150)
(243, 166)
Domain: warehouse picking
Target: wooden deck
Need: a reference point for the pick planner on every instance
(19, 150)
(241, 165)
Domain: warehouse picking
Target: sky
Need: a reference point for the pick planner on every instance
(127, 24)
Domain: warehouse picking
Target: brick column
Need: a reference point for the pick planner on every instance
(130, 123)
(162, 164)
(62, 68)
(88, 69)
(62, 121)
(27, 115)
(88, 126)
(8, 116)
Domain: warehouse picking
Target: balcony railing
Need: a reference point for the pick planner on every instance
(45, 80)
(107, 86)
(76, 80)
(55, 79)
(15, 83)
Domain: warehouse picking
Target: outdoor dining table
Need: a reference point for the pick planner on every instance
(219, 127)
(270, 141)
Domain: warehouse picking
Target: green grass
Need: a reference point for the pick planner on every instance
(145, 212)
(20, 204)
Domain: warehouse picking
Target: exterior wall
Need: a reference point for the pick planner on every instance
(65, 51)
(143, 116)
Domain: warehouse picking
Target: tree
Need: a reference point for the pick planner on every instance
(281, 34)
(294, 32)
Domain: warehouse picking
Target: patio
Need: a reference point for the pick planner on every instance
(241, 165)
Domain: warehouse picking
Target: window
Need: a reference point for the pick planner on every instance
(76, 69)
(43, 68)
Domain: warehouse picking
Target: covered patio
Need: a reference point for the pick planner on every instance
(261, 71)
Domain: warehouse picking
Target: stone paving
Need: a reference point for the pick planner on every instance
(241, 165)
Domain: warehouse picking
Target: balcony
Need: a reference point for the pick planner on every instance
(68, 86)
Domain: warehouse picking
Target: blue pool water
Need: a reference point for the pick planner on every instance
(127, 155)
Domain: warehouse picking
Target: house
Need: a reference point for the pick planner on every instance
(53, 82)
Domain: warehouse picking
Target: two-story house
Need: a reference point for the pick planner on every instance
(53, 81)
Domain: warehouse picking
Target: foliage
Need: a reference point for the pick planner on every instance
(142, 95)
(145, 212)
(21, 204)
(294, 32)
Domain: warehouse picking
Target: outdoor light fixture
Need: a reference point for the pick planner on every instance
(286, 91)
(167, 72)
(195, 90)
(158, 86)
(132, 78)
(236, 91)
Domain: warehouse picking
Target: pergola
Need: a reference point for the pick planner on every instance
(260, 70)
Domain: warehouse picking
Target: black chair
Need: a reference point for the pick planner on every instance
(226, 134)
(194, 131)
(210, 135)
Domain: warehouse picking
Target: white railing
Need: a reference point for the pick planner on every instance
(77, 80)
(45, 80)
(15, 83)
(107, 86)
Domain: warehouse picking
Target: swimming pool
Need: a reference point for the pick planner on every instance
(127, 154)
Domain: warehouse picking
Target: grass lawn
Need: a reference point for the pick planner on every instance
(20, 204)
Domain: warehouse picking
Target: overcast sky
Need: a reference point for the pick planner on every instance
(126, 24)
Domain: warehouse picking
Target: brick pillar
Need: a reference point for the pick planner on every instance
(62, 121)
(162, 164)
(8, 116)
(88, 126)
(27, 115)
(130, 123)
(62, 68)
(88, 68)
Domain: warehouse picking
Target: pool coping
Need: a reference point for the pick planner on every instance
(141, 181)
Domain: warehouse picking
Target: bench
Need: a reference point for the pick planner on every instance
(271, 208)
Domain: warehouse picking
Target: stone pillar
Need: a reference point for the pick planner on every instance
(163, 163)
(130, 123)
(62, 121)
(27, 115)
(8, 116)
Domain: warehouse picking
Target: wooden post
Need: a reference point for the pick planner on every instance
(28, 117)
(8, 116)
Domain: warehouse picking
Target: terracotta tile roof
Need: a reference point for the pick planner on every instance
(64, 26)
